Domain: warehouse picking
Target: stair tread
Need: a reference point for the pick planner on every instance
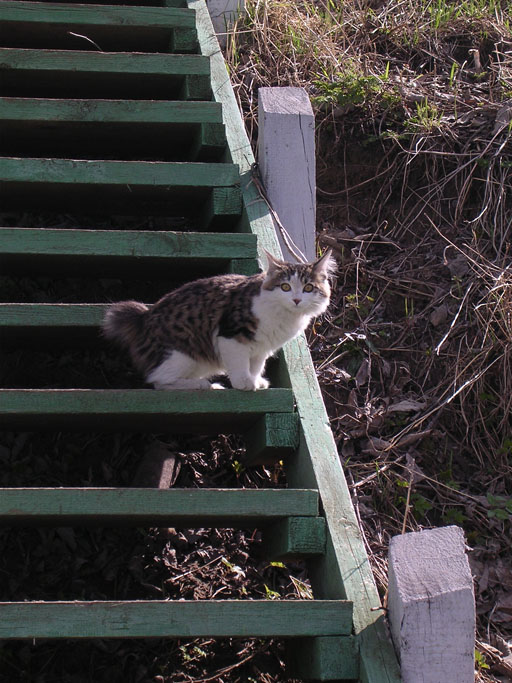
(202, 412)
(165, 507)
(186, 246)
(18, 59)
(93, 15)
(90, 27)
(168, 618)
(46, 72)
(145, 174)
(36, 315)
(108, 111)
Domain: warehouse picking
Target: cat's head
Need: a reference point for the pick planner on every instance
(300, 287)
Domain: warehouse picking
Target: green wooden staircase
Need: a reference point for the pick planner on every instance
(126, 109)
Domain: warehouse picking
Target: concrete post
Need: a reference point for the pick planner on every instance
(286, 157)
(223, 14)
(431, 606)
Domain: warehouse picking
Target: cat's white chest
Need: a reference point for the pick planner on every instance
(276, 324)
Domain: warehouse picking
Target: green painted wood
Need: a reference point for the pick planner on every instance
(244, 266)
(174, 507)
(209, 142)
(193, 88)
(33, 13)
(176, 619)
(36, 61)
(41, 325)
(196, 412)
(122, 187)
(58, 316)
(124, 253)
(324, 658)
(58, 111)
(26, 72)
(345, 569)
(183, 41)
(272, 438)
(112, 129)
(136, 174)
(129, 244)
(222, 204)
(141, 3)
(112, 28)
(295, 537)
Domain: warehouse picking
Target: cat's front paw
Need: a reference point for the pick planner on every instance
(262, 383)
(243, 383)
(250, 383)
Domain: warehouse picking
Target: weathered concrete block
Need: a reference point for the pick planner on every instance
(286, 156)
(431, 606)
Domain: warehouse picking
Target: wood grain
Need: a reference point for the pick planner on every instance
(136, 174)
(198, 412)
(130, 244)
(157, 619)
(56, 13)
(157, 507)
(108, 111)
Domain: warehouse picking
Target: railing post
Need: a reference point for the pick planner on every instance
(286, 156)
(431, 606)
(223, 14)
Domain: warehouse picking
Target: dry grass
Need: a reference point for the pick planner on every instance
(413, 103)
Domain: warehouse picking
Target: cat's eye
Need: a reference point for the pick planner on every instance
(286, 286)
(308, 288)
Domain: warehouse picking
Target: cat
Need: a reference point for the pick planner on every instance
(221, 325)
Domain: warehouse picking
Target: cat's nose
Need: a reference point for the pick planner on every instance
(297, 301)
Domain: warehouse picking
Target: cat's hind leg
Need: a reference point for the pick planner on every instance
(179, 371)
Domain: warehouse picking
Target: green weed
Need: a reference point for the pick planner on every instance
(454, 516)
(426, 120)
(270, 594)
(480, 662)
(501, 507)
(351, 87)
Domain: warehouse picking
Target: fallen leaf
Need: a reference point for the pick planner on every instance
(503, 612)
(439, 315)
(363, 373)
(415, 472)
(405, 406)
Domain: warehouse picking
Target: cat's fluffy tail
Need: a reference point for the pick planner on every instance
(124, 322)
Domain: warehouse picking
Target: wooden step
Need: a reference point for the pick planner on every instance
(141, 3)
(112, 28)
(182, 508)
(209, 193)
(176, 619)
(199, 412)
(112, 129)
(28, 319)
(104, 75)
(117, 252)
(59, 111)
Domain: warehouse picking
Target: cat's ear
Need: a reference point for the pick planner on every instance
(325, 265)
(272, 262)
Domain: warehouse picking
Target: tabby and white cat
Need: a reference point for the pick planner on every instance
(227, 324)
